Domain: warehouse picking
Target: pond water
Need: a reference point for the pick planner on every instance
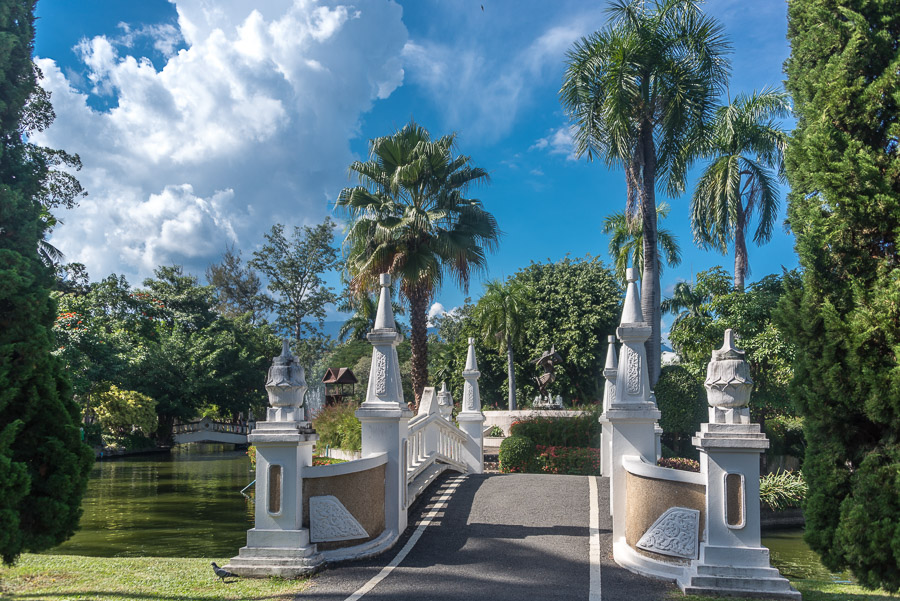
(188, 504)
(183, 504)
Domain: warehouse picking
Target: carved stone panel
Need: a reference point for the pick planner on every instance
(329, 520)
(469, 398)
(380, 374)
(674, 533)
(633, 374)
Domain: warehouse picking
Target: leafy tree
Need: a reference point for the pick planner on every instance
(626, 243)
(641, 93)
(294, 269)
(43, 464)
(747, 147)
(502, 313)
(750, 315)
(681, 399)
(843, 163)
(410, 217)
(685, 300)
(238, 288)
(121, 410)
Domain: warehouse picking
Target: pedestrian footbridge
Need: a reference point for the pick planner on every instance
(208, 430)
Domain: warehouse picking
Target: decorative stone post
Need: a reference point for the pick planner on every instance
(609, 396)
(384, 414)
(445, 401)
(632, 414)
(470, 417)
(278, 545)
(732, 559)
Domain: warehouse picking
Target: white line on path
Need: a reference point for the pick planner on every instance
(386, 570)
(594, 594)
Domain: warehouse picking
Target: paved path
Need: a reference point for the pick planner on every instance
(511, 537)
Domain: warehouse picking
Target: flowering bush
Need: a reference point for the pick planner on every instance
(580, 431)
(679, 463)
(568, 460)
(317, 459)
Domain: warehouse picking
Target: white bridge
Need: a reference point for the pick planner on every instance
(208, 430)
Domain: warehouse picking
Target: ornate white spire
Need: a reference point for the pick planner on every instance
(631, 312)
(609, 372)
(384, 319)
(471, 402)
(384, 389)
(285, 385)
(445, 401)
(728, 384)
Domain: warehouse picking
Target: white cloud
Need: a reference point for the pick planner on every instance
(436, 310)
(558, 141)
(246, 126)
(482, 83)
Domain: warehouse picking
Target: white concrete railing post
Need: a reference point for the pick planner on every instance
(609, 396)
(384, 414)
(278, 545)
(470, 418)
(732, 556)
(633, 413)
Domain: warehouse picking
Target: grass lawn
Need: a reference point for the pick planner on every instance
(69, 577)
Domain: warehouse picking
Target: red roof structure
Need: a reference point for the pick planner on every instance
(339, 382)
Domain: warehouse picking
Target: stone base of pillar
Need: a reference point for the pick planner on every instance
(283, 553)
(735, 572)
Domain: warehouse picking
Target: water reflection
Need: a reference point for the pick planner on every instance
(794, 559)
(186, 504)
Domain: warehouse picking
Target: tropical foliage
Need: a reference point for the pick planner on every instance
(641, 93)
(843, 163)
(741, 180)
(411, 217)
(502, 314)
(626, 242)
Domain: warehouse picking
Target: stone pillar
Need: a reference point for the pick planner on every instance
(470, 417)
(384, 414)
(278, 545)
(445, 401)
(633, 413)
(609, 396)
(732, 557)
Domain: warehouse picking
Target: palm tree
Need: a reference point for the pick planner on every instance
(685, 301)
(362, 321)
(502, 314)
(410, 217)
(747, 159)
(641, 92)
(626, 243)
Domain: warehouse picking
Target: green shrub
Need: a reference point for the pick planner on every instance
(785, 434)
(568, 460)
(679, 463)
(251, 453)
(782, 490)
(517, 454)
(681, 399)
(338, 427)
(580, 431)
(496, 432)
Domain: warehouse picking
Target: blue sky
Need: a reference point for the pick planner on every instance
(201, 123)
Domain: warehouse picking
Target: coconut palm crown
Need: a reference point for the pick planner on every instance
(640, 93)
(740, 182)
(626, 241)
(410, 217)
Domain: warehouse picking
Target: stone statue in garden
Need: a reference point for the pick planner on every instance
(547, 362)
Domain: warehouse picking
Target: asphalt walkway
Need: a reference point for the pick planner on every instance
(498, 537)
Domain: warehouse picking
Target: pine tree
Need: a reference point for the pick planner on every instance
(43, 463)
(844, 209)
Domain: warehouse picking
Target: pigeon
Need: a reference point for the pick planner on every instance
(223, 574)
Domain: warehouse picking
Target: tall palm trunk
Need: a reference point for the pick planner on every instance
(650, 297)
(511, 374)
(740, 250)
(418, 340)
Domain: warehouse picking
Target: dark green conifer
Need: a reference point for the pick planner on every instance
(844, 170)
(43, 463)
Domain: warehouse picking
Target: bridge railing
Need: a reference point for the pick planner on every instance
(433, 439)
(208, 425)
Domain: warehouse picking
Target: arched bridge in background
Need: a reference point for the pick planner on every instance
(208, 430)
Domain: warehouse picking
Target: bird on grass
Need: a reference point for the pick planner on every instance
(223, 574)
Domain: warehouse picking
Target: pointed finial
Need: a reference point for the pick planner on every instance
(444, 387)
(384, 319)
(631, 311)
(471, 363)
(285, 348)
(612, 361)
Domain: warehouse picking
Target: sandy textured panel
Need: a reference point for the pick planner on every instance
(362, 493)
(649, 498)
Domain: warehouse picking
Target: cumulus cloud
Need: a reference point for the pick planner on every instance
(246, 125)
(436, 310)
(558, 141)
